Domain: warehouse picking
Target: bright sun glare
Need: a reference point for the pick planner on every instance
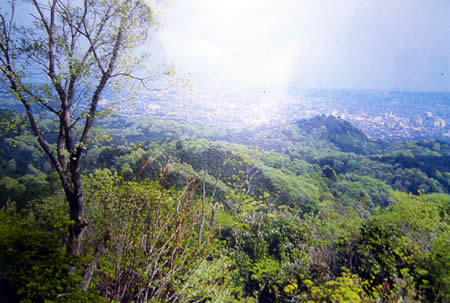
(268, 44)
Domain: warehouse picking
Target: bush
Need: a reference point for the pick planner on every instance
(34, 263)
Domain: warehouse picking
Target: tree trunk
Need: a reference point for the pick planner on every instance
(77, 228)
(75, 197)
(75, 231)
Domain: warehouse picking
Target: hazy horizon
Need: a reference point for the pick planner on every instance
(265, 45)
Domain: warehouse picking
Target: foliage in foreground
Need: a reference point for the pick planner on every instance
(397, 253)
(147, 242)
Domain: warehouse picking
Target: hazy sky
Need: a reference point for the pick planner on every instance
(354, 44)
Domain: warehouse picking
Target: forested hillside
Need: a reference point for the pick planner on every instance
(311, 211)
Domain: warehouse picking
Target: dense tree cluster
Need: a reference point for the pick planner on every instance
(188, 216)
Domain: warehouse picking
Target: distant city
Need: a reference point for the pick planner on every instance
(380, 115)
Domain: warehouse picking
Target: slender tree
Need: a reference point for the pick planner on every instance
(59, 64)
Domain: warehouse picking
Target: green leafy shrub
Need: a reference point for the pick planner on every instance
(400, 247)
(345, 289)
(33, 257)
(154, 242)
